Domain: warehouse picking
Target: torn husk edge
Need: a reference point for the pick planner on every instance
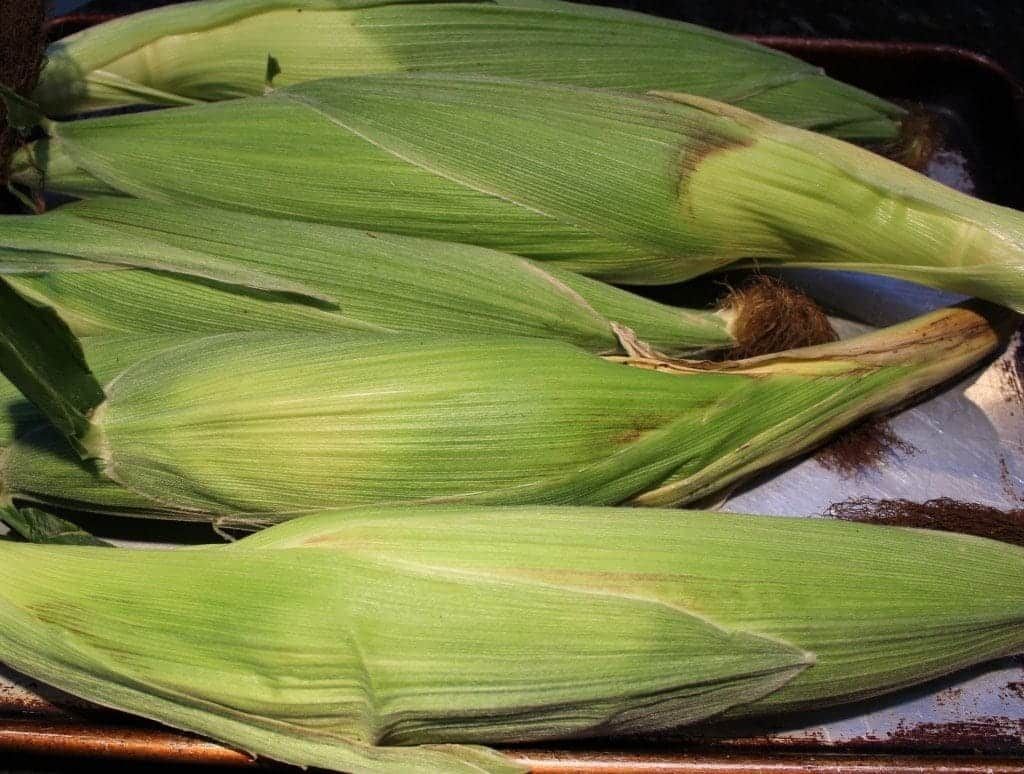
(929, 350)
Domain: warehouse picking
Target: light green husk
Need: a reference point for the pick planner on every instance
(37, 526)
(219, 50)
(373, 640)
(125, 266)
(36, 462)
(255, 428)
(628, 189)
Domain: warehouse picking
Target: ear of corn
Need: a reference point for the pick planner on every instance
(265, 426)
(218, 50)
(629, 189)
(126, 266)
(36, 461)
(344, 640)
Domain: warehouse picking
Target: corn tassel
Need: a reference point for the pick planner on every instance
(640, 190)
(379, 640)
(114, 266)
(260, 427)
(218, 50)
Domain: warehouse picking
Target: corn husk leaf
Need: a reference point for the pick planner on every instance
(112, 266)
(219, 50)
(38, 526)
(346, 639)
(628, 189)
(260, 427)
(69, 390)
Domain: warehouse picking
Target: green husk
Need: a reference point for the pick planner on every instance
(373, 640)
(254, 428)
(628, 189)
(36, 462)
(219, 49)
(112, 266)
(38, 526)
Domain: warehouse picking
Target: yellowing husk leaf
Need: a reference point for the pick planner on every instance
(218, 50)
(261, 427)
(374, 640)
(629, 189)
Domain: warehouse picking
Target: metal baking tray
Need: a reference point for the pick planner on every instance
(966, 442)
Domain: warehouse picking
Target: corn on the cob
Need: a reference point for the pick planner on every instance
(219, 50)
(343, 640)
(629, 189)
(36, 462)
(126, 266)
(266, 426)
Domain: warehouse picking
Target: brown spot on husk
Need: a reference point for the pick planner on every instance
(943, 513)
(627, 437)
(772, 316)
(866, 445)
(919, 138)
(22, 43)
(637, 429)
(699, 145)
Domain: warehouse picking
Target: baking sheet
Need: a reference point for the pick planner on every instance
(966, 443)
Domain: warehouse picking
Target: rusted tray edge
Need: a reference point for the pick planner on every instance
(159, 746)
(886, 49)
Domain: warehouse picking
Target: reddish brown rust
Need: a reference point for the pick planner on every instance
(1014, 689)
(154, 745)
(949, 696)
(993, 735)
(24, 697)
(814, 49)
(547, 762)
(997, 733)
(159, 746)
(62, 26)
